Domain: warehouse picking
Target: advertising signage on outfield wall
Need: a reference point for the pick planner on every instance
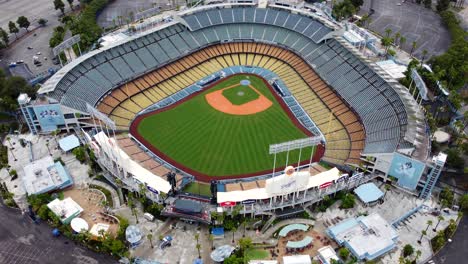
(152, 190)
(407, 170)
(227, 204)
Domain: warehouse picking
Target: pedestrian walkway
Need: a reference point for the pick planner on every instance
(267, 236)
(115, 196)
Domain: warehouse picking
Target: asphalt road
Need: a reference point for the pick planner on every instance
(413, 21)
(21, 241)
(456, 251)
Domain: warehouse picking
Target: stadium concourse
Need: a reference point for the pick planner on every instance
(361, 114)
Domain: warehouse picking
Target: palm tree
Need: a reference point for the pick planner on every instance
(211, 238)
(233, 232)
(413, 47)
(47, 145)
(150, 238)
(424, 53)
(198, 246)
(397, 37)
(9, 141)
(387, 42)
(132, 206)
(439, 218)
(55, 133)
(244, 223)
(388, 31)
(369, 21)
(402, 42)
(423, 233)
(418, 255)
(429, 223)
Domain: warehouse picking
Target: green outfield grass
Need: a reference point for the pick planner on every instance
(198, 188)
(240, 94)
(217, 144)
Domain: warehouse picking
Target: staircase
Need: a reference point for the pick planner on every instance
(268, 223)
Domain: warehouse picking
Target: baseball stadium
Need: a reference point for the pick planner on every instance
(203, 96)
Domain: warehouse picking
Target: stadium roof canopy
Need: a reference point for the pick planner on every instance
(368, 192)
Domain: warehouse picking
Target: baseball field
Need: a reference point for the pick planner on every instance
(225, 130)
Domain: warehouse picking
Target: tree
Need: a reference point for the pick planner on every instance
(464, 202)
(233, 259)
(446, 197)
(245, 244)
(454, 159)
(427, 3)
(13, 28)
(236, 210)
(348, 201)
(4, 37)
(391, 52)
(357, 3)
(418, 255)
(397, 37)
(387, 42)
(70, 2)
(388, 31)
(131, 204)
(439, 218)
(211, 239)
(80, 154)
(442, 5)
(23, 22)
(408, 250)
(198, 246)
(423, 233)
(150, 238)
(413, 47)
(59, 5)
(429, 223)
(234, 229)
(343, 253)
(42, 22)
(402, 42)
(343, 9)
(424, 53)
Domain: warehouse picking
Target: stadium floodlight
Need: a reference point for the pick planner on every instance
(295, 144)
(419, 83)
(66, 44)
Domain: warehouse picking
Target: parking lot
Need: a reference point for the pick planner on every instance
(414, 22)
(22, 242)
(37, 39)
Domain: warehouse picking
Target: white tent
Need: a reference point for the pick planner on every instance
(297, 259)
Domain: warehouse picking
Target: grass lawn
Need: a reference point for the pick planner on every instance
(240, 94)
(198, 188)
(257, 254)
(217, 144)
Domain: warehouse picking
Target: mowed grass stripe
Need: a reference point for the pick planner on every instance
(216, 144)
